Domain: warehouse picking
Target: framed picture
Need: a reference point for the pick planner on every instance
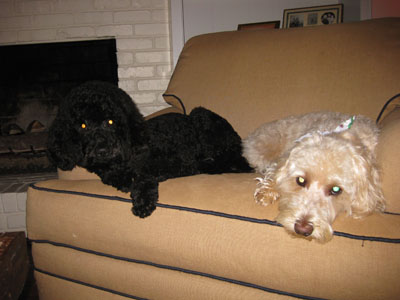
(261, 25)
(313, 16)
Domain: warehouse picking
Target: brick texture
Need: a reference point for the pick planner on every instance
(141, 28)
(12, 211)
(13, 197)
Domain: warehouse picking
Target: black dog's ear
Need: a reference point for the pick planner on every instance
(135, 120)
(63, 145)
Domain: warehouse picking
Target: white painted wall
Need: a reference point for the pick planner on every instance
(193, 17)
(223, 15)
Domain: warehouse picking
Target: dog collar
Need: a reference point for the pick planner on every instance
(342, 127)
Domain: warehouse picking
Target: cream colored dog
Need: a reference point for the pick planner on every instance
(318, 165)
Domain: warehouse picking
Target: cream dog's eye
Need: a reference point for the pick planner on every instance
(301, 181)
(335, 190)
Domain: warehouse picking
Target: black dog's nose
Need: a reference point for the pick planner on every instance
(303, 227)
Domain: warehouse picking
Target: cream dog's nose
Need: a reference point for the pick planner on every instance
(303, 227)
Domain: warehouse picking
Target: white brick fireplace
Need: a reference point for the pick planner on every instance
(13, 200)
(141, 30)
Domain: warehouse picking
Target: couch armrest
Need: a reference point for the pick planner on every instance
(207, 239)
(76, 173)
(389, 159)
(164, 111)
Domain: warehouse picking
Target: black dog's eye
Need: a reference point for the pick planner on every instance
(335, 190)
(110, 122)
(301, 181)
(83, 126)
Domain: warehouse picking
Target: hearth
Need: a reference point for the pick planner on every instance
(33, 80)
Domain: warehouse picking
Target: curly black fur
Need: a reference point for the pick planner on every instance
(99, 127)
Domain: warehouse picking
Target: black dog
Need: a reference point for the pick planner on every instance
(99, 127)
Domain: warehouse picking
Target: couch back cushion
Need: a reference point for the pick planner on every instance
(251, 77)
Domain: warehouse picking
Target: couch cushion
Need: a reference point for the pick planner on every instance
(76, 173)
(251, 77)
(101, 279)
(209, 226)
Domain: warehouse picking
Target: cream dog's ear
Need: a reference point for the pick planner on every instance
(363, 133)
(368, 196)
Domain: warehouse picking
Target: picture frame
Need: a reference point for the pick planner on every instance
(260, 25)
(312, 16)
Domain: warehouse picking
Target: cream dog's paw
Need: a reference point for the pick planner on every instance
(265, 193)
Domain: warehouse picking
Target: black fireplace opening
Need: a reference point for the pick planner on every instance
(33, 80)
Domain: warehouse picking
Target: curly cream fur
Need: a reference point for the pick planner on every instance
(285, 150)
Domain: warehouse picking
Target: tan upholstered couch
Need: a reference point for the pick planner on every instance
(208, 239)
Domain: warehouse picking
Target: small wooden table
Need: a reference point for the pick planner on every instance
(14, 264)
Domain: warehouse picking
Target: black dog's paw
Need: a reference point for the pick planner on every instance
(124, 189)
(143, 211)
(144, 195)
